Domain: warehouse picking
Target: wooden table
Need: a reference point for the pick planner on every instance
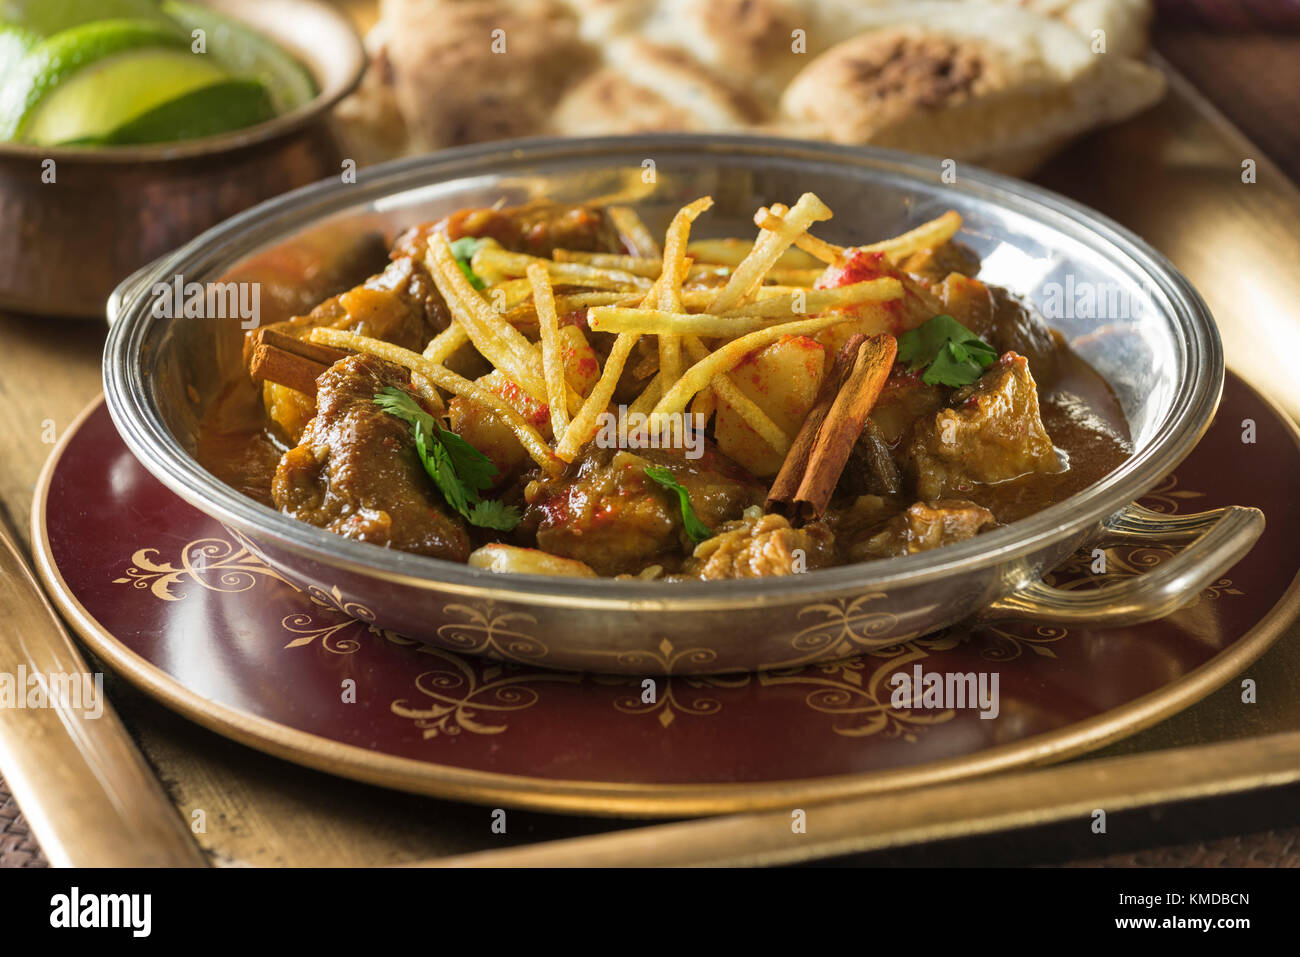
(263, 811)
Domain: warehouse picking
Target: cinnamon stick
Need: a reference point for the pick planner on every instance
(299, 347)
(289, 361)
(272, 364)
(780, 498)
(843, 424)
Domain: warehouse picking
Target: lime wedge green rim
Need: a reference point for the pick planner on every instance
(289, 83)
(272, 129)
(63, 56)
(226, 102)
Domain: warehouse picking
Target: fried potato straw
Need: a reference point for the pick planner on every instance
(672, 275)
(552, 359)
(499, 342)
(633, 232)
(741, 296)
(582, 274)
(730, 355)
(767, 250)
(584, 424)
(744, 320)
(934, 233)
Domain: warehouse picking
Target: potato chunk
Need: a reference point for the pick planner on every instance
(782, 379)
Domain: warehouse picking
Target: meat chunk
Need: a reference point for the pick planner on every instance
(400, 305)
(606, 512)
(853, 520)
(1018, 328)
(537, 228)
(936, 262)
(871, 469)
(759, 546)
(921, 527)
(356, 472)
(991, 433)
(903, 400)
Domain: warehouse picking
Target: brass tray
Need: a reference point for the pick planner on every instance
(1180, 187)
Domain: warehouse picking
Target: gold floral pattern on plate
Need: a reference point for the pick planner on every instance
(473, 694)
(1008, 645)
(860, 698)
(669, 695)
(462, 694)
(332, 631)
(213, 563)
(848, 627)
(1167, 497)
(486, 631)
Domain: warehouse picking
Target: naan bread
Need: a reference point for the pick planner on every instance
(971, 81)
(1003, 83)
(1123, 23)
(646, 87)
(369, 124)
(453, 87)
(749, 42)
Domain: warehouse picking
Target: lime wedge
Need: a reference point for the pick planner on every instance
(48, 17)
(107, 95)
(52, 62)
(220, 108)
(245, 52)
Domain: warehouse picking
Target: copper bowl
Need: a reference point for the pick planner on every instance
(110, 211)
(1164, 364)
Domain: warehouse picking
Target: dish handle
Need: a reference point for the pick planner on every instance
(1219, 539)
(126, 292)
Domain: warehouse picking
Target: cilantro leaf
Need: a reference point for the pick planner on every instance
(459, 470)
(981, 351)
(473, 467)
(696, 529)
(438, 464)
(918, 347)
(402, 404)
(490, 513)
(951, 354)
(464, 249)
(952, 367)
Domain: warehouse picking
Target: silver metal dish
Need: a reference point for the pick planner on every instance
(1157, 347)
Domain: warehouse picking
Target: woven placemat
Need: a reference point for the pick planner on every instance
(1280, 848)
(17, 849)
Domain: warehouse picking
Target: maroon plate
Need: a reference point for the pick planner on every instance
(172, 600)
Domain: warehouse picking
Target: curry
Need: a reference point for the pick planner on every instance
(547, 389)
